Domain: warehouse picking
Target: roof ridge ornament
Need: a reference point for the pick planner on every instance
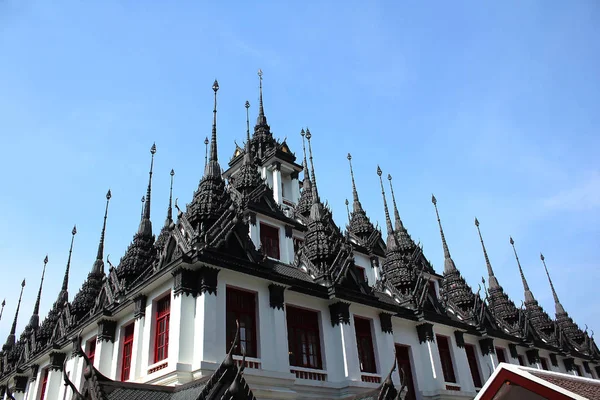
(557, 304)
(448, 261)
(528, 295)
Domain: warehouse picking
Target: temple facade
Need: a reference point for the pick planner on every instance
(252, 291)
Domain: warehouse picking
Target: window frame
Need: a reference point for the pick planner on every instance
(451, 373)
(265, 248)
(544, 363)
(521, 360)
(363, 353)
(473, 363)
(90, 349)
(230, 326)
(161, 352)
(44, 386)
(363, 272)
(500, 350)
(128, 332)
(298, 326)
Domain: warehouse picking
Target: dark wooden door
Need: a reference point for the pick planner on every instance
(403, 358)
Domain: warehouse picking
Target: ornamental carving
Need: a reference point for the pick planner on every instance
(185, 281)
(208, 280)
(512, 348)
(57, 360)
(276, 296)
(569, 364)
(425, 332)
(460, 339)
(106, 330)
(533, 356)
(340, 313)
(20, 383)
(139, 310)
(34, 372)
(386, 322)
(487, 346)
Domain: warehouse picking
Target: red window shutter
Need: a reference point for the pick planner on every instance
(500, 354)
(241, 306)
(127, 351)
(446, 359)
(364, 341)
(304, 341)
(269, 240)
(163, 314)
(44, 384)
(473, 365)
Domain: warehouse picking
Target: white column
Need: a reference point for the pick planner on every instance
(181, 330)
(350, 350)
(430, 377)
(210, 328)
(138, 348)
(286, 247)
(295, 196)
(54, 384)
(277, 184)
(103, 356)
(385, 350)
(18, 395)
(274, 351)
(462, 370)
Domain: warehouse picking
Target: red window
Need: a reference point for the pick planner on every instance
(364, 341)
(473, 366)
(91, 349)
(304, 342)
(362, 273)
(127, 350)
(446, 358)
(405, 370)
(241, 306)
(544, 363)
(44, 384)
(500, 354)
(521, 360)
(163, 315)
(269, 240)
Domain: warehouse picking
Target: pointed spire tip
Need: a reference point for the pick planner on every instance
(476, 222)
(153, 148)
(433, 200)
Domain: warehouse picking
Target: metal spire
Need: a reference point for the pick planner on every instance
(558, 307)
(492, 278)
(149, 190)
(391, 242)
(356, 206)
(34, 322)
(398, 221)
(448, 262)
(248, 156)
(142, 212)
(212, 167)
(98, 267)
(63, 296)
(528, 295)
(205, 151)
(170, 209)
(261, 120)
(347, 209)
(2, 309)
(10, 341)
(305, 164)
(312, 168)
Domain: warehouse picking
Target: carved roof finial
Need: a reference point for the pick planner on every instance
(170, 208)
(305, 202)
(10, 341)
(205, 151)
(312, 168)
(261, 120)
(212, 167)
(34, 322)
(98, 267)
(559, 308)
(492, 277)
(528, 295)
(142, 212)
(448, 261)
(307, 180)
(248, 177)
(392, 242)
(2, 309)
(398, 221)
(64, 291)
(247, 105)
(146, 225)
(356, 204)
(348, 209)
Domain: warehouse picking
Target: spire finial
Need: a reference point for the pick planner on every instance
(149, 190)
(261, 120)
(212, 167)
(248, 156)
(142, 212)
(558, 307)
(35, 319)
(11, 338)
(312, 168)
(448, 262)
(492, 277)
(2, 309)
(528, 294)
(170, 209)
(63, 296)
(304, 163)
(347, 209)
(98, 267)
(397, 219)
(356, 204)
(205, 151)
(391, 238)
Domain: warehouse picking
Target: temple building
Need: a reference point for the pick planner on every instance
(251, 291)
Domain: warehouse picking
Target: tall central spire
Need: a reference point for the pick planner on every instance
(391, 242)
(261, 120)
(10, 341)
(248, 178)
(404, 239)
(213, 168)
(34, 322)
(305, 202)
(528, 295)
(146, 225)
(315, 191)
(63, 296)
(356, 206)
(558, 307)
(449, 265)
(98, 267)
(170, 208)
(493, 282)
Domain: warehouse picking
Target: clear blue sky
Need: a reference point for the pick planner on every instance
(493, 108)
